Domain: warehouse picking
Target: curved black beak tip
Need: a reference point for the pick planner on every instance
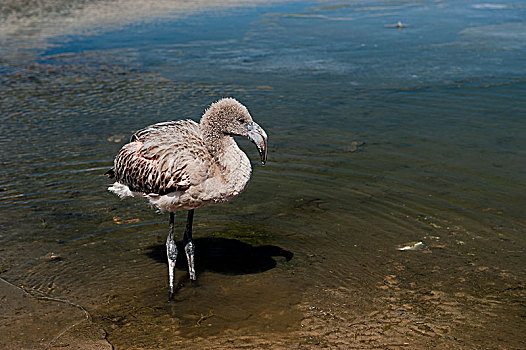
(258, 136)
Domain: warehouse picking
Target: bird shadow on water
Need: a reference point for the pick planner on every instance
(225, 256)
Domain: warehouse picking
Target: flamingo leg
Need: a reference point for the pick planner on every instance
(189, 246)
(171, 252)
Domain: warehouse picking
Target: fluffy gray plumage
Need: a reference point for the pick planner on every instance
(185, 165)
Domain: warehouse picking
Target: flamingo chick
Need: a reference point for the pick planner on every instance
(181, 164)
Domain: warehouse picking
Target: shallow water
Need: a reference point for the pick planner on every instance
(379, 137)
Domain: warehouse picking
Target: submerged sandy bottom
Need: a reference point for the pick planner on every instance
(458, 293)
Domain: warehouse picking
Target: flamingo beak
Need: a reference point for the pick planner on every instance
(258, 136)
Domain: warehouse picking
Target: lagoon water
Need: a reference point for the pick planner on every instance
(379, 136)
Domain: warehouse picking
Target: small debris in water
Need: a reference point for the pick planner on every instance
(398, 25)
(433, 237)
(120, 221)
(205, 317)
(116, 138)
(355, 146)
(43, 223)
(413, 246)
(61, 345)
(434, 225)
(52, 257)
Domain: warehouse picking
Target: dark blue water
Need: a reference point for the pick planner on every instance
(379, 136)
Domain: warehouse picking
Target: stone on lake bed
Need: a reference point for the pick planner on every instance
(51, 257)
(413, 246)
(355, 146)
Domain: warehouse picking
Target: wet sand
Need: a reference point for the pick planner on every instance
(30, 321)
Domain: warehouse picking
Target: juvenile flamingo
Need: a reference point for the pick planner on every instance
(181, 164)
